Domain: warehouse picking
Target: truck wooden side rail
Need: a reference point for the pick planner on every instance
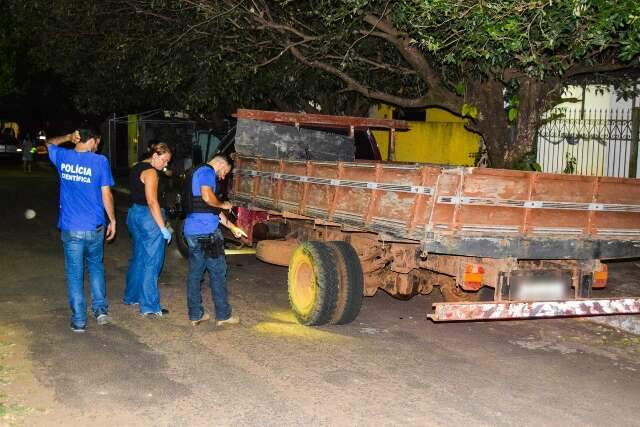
(528, 243)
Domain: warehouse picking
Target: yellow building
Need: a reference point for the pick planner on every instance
(439, 138)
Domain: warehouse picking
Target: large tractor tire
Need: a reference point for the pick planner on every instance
(276, 252)
(313, 278)
(350, 284)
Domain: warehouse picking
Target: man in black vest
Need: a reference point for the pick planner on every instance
(206, 244)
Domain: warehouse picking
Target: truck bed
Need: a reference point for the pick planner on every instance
(460, 211)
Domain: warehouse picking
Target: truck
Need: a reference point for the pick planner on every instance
(498, 244)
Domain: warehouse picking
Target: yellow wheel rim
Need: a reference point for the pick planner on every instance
(302, 283)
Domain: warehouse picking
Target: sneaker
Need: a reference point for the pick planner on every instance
(78, 329)
(103, 319)
(204, 318)
(152, 315)
(233, 320)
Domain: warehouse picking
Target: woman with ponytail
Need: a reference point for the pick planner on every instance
(149, 233)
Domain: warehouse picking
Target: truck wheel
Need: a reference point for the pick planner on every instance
(313, 278)
(179, 238)
(452, 293)
(350, 284)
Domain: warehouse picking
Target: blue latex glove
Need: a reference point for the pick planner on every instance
(166, 234)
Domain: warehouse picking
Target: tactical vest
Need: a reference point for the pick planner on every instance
(195, 204)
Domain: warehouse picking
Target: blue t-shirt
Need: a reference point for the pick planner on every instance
(197, 222)
(82, 176)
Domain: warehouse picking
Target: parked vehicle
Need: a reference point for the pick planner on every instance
(499, 244)
(9, 146)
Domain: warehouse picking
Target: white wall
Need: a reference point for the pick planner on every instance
(595, 99)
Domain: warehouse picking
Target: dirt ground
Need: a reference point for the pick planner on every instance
(392, 366)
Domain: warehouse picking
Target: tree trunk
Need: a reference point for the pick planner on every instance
(507, 143)
(534, 98)
(491, 122)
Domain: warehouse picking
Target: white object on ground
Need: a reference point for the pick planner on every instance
(29, 214)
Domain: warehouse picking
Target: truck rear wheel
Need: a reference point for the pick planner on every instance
(350, 284)
(313, 275)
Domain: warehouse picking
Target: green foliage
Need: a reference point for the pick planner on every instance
(540, 39)
(513, 104)
(7, 72)
(469, 110)
(7, 52)
(208, 55)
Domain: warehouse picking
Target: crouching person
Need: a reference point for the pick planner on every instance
(206, 244)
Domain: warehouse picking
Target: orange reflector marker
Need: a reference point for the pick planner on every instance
(601, 277)
(473, 277)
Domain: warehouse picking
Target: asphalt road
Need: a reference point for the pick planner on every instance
(391, 366)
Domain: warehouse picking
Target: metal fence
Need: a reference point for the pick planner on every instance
(592, 142)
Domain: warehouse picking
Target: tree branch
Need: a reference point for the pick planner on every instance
(431, 99)
(378, 65)
(275, 58)
(579, 69)
(410, 53)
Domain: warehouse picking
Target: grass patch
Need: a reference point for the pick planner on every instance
(12, 412)
(5, 349)
(5, 375)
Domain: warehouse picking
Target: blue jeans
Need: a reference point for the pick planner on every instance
(217, 268)
(146, 261)
(78, 246)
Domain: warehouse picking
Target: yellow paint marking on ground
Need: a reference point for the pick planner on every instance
(285, 325)
(283, 316)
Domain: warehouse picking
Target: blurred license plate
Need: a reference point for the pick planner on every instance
(540, 286)
(541, 291)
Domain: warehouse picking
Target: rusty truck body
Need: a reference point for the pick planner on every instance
(499, 244)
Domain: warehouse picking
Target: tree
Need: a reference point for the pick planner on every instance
(28, 91)
(11, 41)
(7, 65)
(500, 63)
(127, 55)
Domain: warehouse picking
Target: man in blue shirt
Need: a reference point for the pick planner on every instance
(85, 194)
(206, 244)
